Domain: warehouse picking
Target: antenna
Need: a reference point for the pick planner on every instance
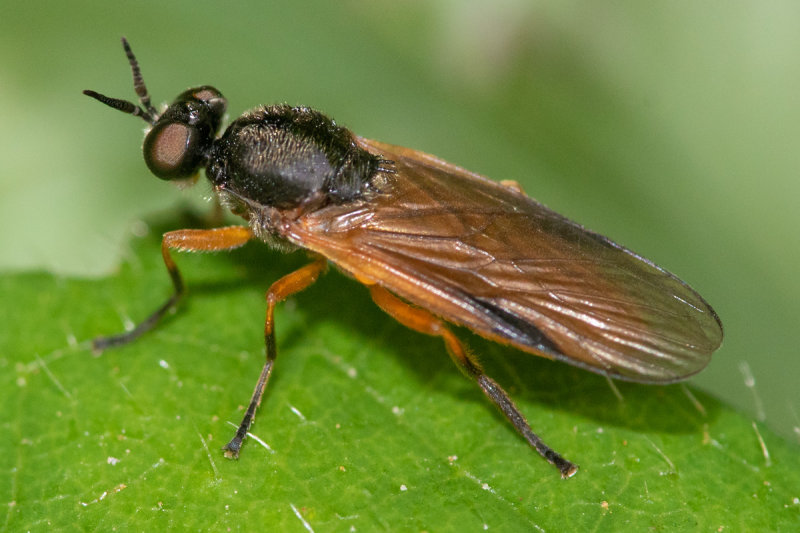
(146, 111)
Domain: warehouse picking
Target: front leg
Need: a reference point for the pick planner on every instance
(184, 240)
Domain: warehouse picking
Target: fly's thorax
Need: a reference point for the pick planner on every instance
(289, 157)
(269, 224)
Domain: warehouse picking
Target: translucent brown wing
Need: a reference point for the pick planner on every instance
(484, 256)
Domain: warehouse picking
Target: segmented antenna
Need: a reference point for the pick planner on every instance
(121, 105)
(138, 81)
(146, 111)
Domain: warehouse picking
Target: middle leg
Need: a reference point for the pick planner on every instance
(280, 290)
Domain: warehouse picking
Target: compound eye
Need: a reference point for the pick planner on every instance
(172, 150)
(209, 95)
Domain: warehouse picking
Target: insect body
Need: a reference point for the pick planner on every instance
(434, 243)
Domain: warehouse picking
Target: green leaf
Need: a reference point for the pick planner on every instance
(364, 426)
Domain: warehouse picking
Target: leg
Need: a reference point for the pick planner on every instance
(185, 240)
(424, 322)
(279, 291)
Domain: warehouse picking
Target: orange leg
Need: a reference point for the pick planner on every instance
(185, 240)
(424, 322)
(280, 290)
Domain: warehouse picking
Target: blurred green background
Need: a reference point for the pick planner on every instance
(671, 127)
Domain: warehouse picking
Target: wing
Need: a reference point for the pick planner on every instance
(485, 256)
